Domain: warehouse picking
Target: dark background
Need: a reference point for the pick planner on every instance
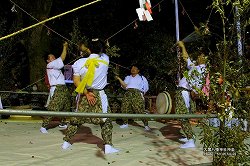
(148, 44)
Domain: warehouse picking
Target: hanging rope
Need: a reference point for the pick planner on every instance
(120, 30)
(187, 14)
(65, 37)
(49, 19)
(59, 34)
(130, 23)
(61, 37)
(119, 65)
(43, 24)
(198, 32)
(195, 35)
(42, 78)
(54, 31)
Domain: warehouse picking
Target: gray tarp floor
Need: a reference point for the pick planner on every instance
(21, 144)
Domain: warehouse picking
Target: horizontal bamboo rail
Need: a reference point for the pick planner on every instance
(26, 92)
(47, 93)
(104, 115)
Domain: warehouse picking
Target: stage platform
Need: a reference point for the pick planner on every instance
(22, 144)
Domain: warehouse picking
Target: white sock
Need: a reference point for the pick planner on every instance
(66, 145)
(189, 144)
(109, 149)
(43, 130)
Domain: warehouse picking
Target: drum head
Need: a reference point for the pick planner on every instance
(163, 103)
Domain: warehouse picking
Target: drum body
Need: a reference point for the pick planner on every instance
(163, 103)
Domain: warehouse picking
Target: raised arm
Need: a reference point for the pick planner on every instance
(183, 49)
(64, 52)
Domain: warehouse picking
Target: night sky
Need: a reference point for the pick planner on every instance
(113, 20)
(110, 16)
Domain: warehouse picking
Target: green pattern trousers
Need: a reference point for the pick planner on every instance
(60, 101)
(76, 122)
(133, 101)
(182, 109)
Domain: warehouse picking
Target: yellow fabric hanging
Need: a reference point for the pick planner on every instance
(88, 79)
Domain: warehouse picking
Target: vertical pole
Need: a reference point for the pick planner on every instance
(177, 21)
(177, 37)
(238, 28)
(1, 105)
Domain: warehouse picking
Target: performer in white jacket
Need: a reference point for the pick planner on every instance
(136, 86)
(90, 78)
(186, 86)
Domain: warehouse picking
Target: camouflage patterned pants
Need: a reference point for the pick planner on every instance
(182, 109)
(60, 101)
(133, 101)
(76, 122)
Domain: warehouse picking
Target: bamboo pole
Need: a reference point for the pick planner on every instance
(52, 18)
(104, 115)
(26, 92)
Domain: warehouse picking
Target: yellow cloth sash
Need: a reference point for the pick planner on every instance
(88, 79)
